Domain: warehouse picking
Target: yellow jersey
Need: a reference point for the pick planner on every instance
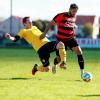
(32, 36)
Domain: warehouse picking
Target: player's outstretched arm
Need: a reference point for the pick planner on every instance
(47, 29)
(8, 36)
(14, 39)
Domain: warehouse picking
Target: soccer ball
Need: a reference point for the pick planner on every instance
(87, 76)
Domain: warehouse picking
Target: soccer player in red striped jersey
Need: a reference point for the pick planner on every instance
(65, 23)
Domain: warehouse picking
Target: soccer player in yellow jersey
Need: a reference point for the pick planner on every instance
(43, 47)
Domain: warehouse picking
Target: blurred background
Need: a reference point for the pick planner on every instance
(42, 12)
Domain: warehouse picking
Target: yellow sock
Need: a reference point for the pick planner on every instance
(62, 54)
(40, 68)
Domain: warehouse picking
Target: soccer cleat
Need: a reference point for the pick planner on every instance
(63, 65)
(54, 69)
(34, 70)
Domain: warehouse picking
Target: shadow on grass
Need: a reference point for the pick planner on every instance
(89, 95)
(74, 80)
(16, 78)
(78, 80)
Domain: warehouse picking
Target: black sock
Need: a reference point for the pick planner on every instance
(55, 61)
(81, 61)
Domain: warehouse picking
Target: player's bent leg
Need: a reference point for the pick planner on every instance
(62, 54)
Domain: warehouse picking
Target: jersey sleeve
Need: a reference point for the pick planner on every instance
(21, 33)
(56, 18)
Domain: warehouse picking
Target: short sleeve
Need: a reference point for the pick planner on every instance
(21, 33)
(56, 18)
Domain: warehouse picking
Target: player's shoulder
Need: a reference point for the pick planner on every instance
(22, 30)
(34, 27)
(62, 13)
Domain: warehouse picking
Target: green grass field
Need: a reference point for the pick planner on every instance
(17, 83)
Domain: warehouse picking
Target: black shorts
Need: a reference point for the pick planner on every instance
(70, 43)
(44, 52)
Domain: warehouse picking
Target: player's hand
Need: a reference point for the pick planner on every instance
(7, 35)
(42, 36)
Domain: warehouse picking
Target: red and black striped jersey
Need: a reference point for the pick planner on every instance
(66, 26)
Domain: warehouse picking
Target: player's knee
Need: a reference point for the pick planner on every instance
(60, 45)
(77, 50)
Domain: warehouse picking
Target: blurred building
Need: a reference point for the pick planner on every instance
(82, 20)
(11, 25)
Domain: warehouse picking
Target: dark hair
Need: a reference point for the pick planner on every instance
(24, 19)
(73, 6)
